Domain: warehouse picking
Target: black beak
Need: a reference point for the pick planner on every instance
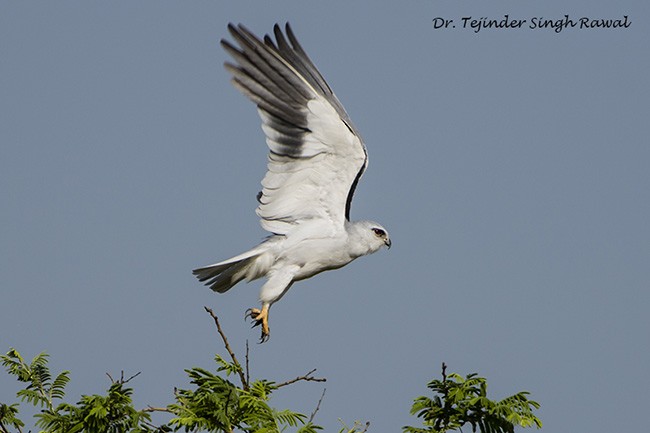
(388, 243)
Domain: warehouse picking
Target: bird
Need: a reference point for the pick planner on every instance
(315, 161)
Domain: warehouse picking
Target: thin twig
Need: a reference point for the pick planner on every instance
(152, 425)
(444, 421)
(247, 370)
(307, 377)
(320, 400)
(129, 379)
(122, 381)
(244, 382)
(155, 409)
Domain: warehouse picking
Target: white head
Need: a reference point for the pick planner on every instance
(368, 237)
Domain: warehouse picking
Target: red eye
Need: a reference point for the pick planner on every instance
(379, 232)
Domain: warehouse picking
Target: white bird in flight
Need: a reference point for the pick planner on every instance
(315, 161)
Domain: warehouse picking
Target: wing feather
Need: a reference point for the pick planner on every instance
(316, 155)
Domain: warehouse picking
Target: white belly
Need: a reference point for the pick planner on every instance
(316, 255)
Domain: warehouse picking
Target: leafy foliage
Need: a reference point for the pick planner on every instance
(8, 417)
(214, 403)
(112, 413)
(40, 390)
(463, 400)
(217, 405)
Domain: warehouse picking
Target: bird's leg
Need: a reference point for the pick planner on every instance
(260, 317)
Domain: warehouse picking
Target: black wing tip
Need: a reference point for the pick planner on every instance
(241, 29)
(288, 30)
(229, 47)
(233, 29)
(246, 38)
(268, 40)
(237, 28)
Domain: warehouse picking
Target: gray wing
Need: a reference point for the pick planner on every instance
(316, 155)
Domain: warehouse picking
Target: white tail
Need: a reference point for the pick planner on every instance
(223, 275)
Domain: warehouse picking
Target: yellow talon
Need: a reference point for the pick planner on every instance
(260, 317)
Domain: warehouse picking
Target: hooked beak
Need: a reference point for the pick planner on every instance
(388, 243)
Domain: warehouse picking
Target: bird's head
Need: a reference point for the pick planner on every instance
(371, 235)
(381, 236)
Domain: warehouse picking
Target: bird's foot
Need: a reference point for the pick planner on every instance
(260, 317)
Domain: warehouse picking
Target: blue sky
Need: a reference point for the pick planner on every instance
(510, 167)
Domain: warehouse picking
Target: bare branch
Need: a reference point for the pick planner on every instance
(122, 380)
(307, 377)
(240, 371)
(156, 409)
(132, 377)
(152, 425)
(247, 370)
(320, 400)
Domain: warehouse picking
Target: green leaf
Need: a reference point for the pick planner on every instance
(462, 400)
(9, 416)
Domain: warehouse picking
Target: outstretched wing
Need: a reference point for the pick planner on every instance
(316, 156)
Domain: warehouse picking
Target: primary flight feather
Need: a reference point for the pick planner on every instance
(315, 161)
